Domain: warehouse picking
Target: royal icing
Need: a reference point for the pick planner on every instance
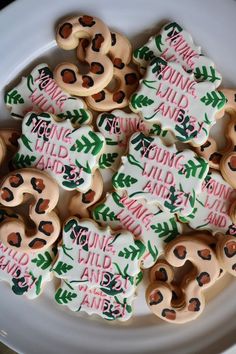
(39, 92)
(161, 174)
(211, 209)
(146, 222)
(26, 273)
(69, 155)
(79, 298)
(174, 44)
(117, 127)
(95, 257)
(169, 95)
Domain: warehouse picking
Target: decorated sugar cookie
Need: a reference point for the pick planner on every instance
(68, 35)
(26, 273)
(211, 209)
(8, 143)
(78, 297)
(160, 296)
(126, 76)
(172, 97)
(161, 174)
(14, 232)
(174, 44)
(146, 222)
(226, 253)
(99, 259)
(117, 127)
(67, 154)
(39, 92)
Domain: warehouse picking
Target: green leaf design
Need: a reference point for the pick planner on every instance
(133, 161)
(206, 74)
(21, 161)
(106, 160)
(104, 212)
(120, 180)
(38, 285)
(192, 169)
(116, 199)
(156, 130)
(111, 287)
(77, 116)
(143, 53)
(141, 142)
(170, 203)
(124, 273)
(148, 83)
(138, 280)
(111, 142)
(64, 296)
(13, 97)
(185, 129)
(26, 142)
(153, 251)
(43, 260)
(157, 64)
(86, 169)
(167, 230)
(62, 268)
(214, 98)
(139, 101)
(133, 251)
(92, 145)
(158, 42)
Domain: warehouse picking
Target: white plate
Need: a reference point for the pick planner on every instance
(41, 326)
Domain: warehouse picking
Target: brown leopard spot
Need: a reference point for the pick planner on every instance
(37, 243)
(14, 139)
(234, 267)
(161, 274)
(113, 39)
(65, 30)
(7, 195)
(96, 68)
(37, 184)
(180, 252)
(230, 249)
(215, 157)
(118, 96)
(232, 163)
(155, 298)
(206, 145)
(14, 239)
(194, 305)
(97, 42)
(203, 279)
(88, 197)
(68, 76)
(46, 227)
(87, 81)
(205, 254)
(169, 314)
(100, 96)
(131, 79)
(42, 206)
(16, 180)
(117, 62)
(87, 21)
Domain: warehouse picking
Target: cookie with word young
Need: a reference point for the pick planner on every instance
(14, 232)
(212, 207)
(98, 257)
(39, 92)
(127, 77)
(70, 155)
(172, 97)
(205, 272)
(100, 72)
(175, 44)
(117, 127)
(146, 222)
(160, 174)
(78, 297)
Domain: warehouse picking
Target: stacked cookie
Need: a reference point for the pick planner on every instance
(148, 123)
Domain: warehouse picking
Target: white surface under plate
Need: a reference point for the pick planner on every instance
(41, 326)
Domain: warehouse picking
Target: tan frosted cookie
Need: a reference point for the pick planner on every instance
(13, 232)
(79, 298)
(80, 203)
(68, 154)
(38, 92)
(67, 75)
(226, 253)
(8, 142)
(126, 77)
(206, 271)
